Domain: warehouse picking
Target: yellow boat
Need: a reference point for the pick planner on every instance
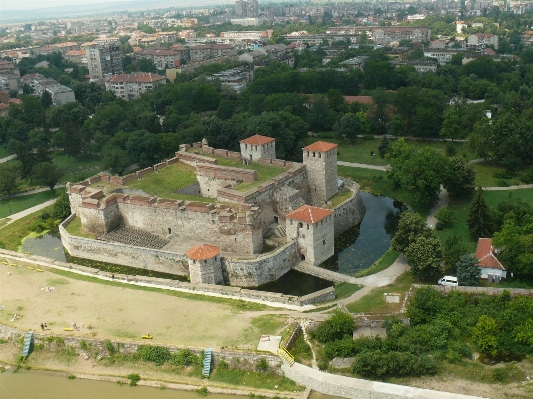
(5, 263)
(13, 264)
(147, 337)
(31, 268)
(40, 270)
(68, 329)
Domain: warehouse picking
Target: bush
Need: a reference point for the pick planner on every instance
(262, 365)
(527, 178)
(501, 175)
(109, 347)
(440, 225)
(368, 137)
(451, 150)
(134, 379)
(502, 183)
(444, 215)
(156, 354)
(338, 326)
(184, 357)
(348, 347)
(71, 377)
(378, 364)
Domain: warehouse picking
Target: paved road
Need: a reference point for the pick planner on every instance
(39, 190)
(363, 165)
(508, 188)
(29, 211)
(9, 158)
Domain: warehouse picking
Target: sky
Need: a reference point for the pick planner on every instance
(34, 4)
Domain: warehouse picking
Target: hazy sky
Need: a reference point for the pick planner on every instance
(33, 4)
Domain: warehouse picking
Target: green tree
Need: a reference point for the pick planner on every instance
(383, 146)
(452, 250)
(349, 126)
(46, 99)
(410, 227)
(424, 256)
(9, 174)
(62, 206)
(115, 159)
(468, 273)
(451, 125)
(515, 242)
(143, 148)
(45, 174)
(479, 216)
(444, 215)
(459, 178)
(485, 335)
(339, 325)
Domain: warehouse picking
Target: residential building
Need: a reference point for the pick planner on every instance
(132, 86)
(356, 62)
(9, 77)
(39, 84)
(78, 57)
(247, 8)
(251, 56)
(61, 94)
(488, 262)
(163, 58)
(420, 66)
(236, 78)
(482, 40)
(443, 56)
(104, 61)
(107, 41)
(207, 51)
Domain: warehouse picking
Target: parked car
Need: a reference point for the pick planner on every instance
(449, 280)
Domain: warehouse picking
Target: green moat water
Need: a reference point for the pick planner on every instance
(355, 250)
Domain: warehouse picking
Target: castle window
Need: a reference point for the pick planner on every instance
(308, 154)
(169, 230)
(324, 242)
(205, 262)
(300, 225)
(246, 146)
(320, 155)
(314, 154)
(307, 227)
(291, 222)
(235, 239)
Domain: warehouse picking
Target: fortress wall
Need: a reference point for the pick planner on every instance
(127, 255)
(350, 212)
(262, 270)
(193, 159)
(192, 189)
(209, 186)
(226, 173)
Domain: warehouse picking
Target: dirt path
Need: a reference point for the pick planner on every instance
(431, 221)
(363, 165)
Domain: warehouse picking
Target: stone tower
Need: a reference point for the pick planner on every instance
(313, 228)
(204, 264)
(256, 147)
(320, 159)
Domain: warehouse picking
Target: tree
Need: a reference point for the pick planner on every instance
(338, 326)
(459, 178)
(410, 227)
(349, 126)
(424, 256)
(45, 174)
(8, 178)
(143, 148)
(479, 216)
(468, 273)
(451, 125)
(62, 206)
(445, 216)
(452, 250)
(485, 335)
(46, 99)
(115, 159)
(383, 146)
(515, 242)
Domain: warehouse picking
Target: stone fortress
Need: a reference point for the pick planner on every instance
(229, 226)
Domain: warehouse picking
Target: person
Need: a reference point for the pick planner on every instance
(112, 277)
(74, 326)
(45, 325)
(42, 326)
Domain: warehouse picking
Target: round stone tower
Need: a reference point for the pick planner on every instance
(204, 264)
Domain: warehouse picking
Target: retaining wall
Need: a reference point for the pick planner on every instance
(350, 212)
(478, 290)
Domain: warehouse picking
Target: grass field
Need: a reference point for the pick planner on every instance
(488, 174)
(19, 204)
(360, 150)
(374, 302)
(74, 169)
(11, 235)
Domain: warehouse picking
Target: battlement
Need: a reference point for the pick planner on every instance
(226, 173)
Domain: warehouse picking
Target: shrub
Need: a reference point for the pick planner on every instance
(502, 183)
(368, 137)
(262, 365)
(109, 347)
(440, 225)
(451, 150)
(202, 391)
(155, 354)
(378, 364)
(527, 178)
(184, 357)
(134, 379)
(84, 345)
(501, 175)
(444, 215)
(71, 377)
(338, 326)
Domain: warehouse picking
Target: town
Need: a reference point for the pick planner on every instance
(286, 199)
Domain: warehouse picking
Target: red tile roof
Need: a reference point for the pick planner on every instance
(258, 140)
(322, 146)
(485, 255)
(309, 214)
(135, 77)
(15, 101)
(203, 252)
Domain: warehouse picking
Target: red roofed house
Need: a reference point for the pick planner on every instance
(257, 147)
(313, 229)
(489, 264)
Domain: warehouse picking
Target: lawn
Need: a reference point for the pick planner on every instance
(344, 290)
(461, 207)
(19, 204)
(163, 183)
(11, 235)
(4, 152)
(381, 264)
(489, 174)
(360, 150)
(374, 302)
(339, 198)
(75, 228)
(75, 170)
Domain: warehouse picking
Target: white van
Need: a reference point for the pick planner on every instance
(449, 280)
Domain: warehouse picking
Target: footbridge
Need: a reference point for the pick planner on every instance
(325, 274)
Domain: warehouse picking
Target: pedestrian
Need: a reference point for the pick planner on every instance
(74, 326)
(45, 325)
(112, 277)
(42, 326)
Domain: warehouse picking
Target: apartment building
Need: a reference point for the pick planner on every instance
(132, 86)
(104, 61)
(163, 58)
(207, 51)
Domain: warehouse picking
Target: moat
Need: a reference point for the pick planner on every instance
(355, 250)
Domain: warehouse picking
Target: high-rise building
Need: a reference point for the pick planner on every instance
(247, 8)
(104, 61)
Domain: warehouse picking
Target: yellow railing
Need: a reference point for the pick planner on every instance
(285, 355)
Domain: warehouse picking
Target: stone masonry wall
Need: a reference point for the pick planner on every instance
(350, 212)
(262, 270)
(192, 189)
